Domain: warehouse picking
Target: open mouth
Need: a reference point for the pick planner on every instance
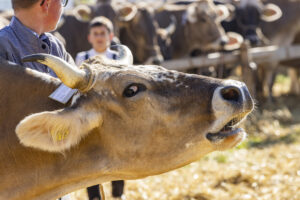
(228, 130)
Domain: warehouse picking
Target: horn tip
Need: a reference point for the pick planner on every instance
(34, 58)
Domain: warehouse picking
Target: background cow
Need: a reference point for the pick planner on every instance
(286, 29)
(133, 25)
(197, 27)
(294, 71)
(246, 17)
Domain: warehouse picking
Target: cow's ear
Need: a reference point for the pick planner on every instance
(83, 13)
(127, 13)
(271, 12)
(57, 131)
(191, 14)
(234, 41)
(223, 12)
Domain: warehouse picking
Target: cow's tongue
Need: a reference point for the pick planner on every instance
(223, 134)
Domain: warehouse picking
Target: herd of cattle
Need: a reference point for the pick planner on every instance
(161, 31)
(155, 32)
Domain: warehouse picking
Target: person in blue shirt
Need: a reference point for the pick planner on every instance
(28, 30)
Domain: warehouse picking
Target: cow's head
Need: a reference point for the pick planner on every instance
(144, 119)
(249, 14)
(203, 28)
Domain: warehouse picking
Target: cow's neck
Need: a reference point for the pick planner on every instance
(44, 176)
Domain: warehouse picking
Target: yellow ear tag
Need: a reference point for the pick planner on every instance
(61, 135)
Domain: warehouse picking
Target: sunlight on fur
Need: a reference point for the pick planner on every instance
(56, 131)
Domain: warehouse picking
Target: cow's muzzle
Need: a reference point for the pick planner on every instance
(231, 104)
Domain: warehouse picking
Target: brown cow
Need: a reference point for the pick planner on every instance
(197, 27)
(127, 122)
(286, 29)
(294, 71)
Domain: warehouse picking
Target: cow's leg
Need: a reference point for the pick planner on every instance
(268, 84)
(117, 188)
(94, 193)
(294, 87)
(259, 77)
(266, 78)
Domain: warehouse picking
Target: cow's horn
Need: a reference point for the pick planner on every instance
(71, 76)
(172, 26)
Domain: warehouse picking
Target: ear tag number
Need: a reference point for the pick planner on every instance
(59, 136)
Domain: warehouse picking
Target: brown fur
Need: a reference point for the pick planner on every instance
(161, 128)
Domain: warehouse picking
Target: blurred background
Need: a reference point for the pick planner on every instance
(255, 41)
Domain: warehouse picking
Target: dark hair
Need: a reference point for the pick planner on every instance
(101, 21)
(16, 4)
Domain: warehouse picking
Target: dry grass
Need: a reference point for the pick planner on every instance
(264, 167)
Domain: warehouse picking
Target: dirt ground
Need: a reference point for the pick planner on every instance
(266, 166)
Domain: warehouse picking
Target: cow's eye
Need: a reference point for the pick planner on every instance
(133, 89)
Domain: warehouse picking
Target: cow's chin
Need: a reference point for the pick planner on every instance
(227, 137)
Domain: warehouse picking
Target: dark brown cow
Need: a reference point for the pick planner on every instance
(140, 34)
(246, 17)
(108, 131)
(197, 27)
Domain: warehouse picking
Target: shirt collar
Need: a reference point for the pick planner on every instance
(24, 32)
(92, 52)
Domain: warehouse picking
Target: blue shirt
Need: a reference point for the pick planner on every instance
(17, 41)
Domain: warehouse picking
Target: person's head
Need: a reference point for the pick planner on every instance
(46, 12)
(100, 33)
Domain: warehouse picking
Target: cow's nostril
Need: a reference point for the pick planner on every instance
(231, 93)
